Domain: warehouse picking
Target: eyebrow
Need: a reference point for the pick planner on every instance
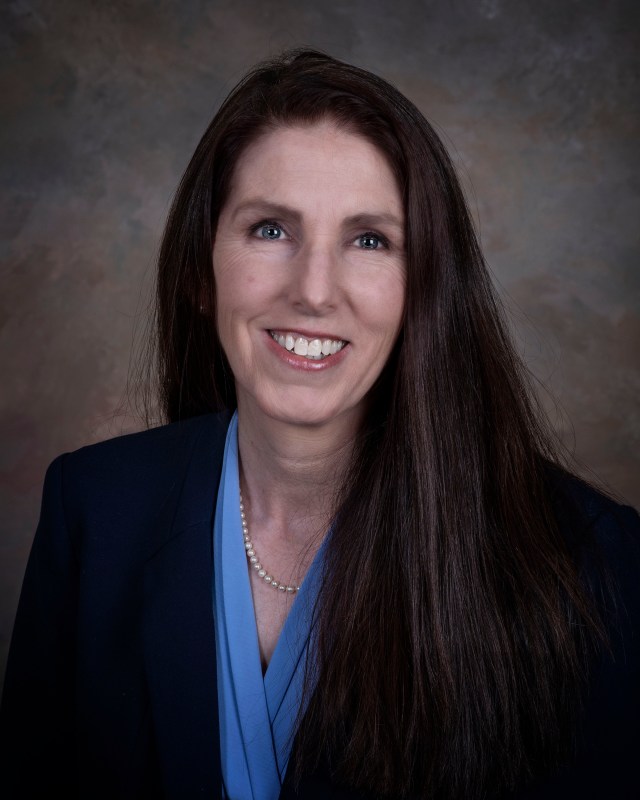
(375, 218)
(276, 210)
(268, 208)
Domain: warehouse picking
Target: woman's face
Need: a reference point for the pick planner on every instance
(309, 269)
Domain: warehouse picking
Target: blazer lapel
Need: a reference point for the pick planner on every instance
(178, 627)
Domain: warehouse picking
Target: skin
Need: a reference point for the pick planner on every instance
(332, 266)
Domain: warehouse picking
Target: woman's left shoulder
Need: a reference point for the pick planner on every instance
(587, 516)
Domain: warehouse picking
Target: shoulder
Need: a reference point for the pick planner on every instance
(590, 518)
(155, 449)
(604, 538)
(126, 472)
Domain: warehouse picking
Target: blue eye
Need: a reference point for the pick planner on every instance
(369, 241)
(271, 231)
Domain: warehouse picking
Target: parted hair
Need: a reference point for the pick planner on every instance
(452, 629)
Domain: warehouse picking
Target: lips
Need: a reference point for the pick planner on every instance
(313, 348)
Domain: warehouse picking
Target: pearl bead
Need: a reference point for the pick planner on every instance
(255, 562)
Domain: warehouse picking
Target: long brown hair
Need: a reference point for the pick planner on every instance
(452, 627)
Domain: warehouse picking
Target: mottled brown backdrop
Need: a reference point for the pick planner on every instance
(103, 103)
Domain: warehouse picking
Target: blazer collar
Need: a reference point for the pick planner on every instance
(178, 627)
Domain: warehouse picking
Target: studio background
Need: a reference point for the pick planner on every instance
(102, 104)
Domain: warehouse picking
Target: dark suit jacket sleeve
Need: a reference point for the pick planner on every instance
(110, 688)
(37, 708)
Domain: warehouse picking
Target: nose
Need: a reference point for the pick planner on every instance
(314, 285)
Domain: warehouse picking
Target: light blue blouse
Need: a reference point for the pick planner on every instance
(256, 714)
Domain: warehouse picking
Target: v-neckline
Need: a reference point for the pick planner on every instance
(258, 711)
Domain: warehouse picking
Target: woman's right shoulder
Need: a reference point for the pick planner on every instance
(135, 466)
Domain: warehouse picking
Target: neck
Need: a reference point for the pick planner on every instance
(290, 474)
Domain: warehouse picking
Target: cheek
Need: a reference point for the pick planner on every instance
(243, 297)
(241, 280)
(384, 301)
(227, 269)
(232, 284)
(224, 276)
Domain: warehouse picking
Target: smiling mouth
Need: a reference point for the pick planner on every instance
(313, 349)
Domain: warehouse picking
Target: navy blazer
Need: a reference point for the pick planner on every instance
(110, 688)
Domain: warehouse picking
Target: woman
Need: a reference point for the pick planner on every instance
(351, 566)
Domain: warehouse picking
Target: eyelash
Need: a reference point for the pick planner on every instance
(265, 223)
(383, 241)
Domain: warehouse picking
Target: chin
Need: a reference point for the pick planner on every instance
(304, 418)
(295, 411)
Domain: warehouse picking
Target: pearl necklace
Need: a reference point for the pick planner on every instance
(254, 561)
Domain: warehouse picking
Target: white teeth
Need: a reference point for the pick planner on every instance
(315, 349)
(301, 347)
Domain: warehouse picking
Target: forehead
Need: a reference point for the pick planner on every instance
(311, 162)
